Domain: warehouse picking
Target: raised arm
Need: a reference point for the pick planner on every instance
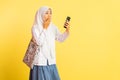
(61, 36)
(38, 36)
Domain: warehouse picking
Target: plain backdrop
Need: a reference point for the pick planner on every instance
(91, 52)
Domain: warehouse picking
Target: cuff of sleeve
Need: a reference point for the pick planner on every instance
(44, 30)
(67, 33)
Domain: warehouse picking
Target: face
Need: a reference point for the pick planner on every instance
(47, 15)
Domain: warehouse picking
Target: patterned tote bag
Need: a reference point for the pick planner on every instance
(30, 53)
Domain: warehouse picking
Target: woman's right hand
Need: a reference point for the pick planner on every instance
(46, 23)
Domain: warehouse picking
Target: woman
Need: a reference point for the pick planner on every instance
(44, 33)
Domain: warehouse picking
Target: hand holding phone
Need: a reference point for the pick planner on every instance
(66, 22)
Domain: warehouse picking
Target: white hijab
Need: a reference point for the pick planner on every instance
(39, 17)
(38, 22)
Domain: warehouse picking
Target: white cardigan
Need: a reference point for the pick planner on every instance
(46, 41)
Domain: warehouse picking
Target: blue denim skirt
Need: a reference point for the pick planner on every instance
(48, 72)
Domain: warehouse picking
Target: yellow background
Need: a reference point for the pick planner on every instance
(91, 52)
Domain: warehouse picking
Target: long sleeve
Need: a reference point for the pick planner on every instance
(61, 36)
(38, 36)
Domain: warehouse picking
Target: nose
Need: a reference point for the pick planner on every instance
(49, 15)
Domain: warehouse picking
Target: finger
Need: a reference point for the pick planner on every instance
(67, 24)
(47, 22)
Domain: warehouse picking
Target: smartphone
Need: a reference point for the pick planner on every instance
(67, 20)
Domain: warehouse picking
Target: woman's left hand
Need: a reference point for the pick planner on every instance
(67, 25)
